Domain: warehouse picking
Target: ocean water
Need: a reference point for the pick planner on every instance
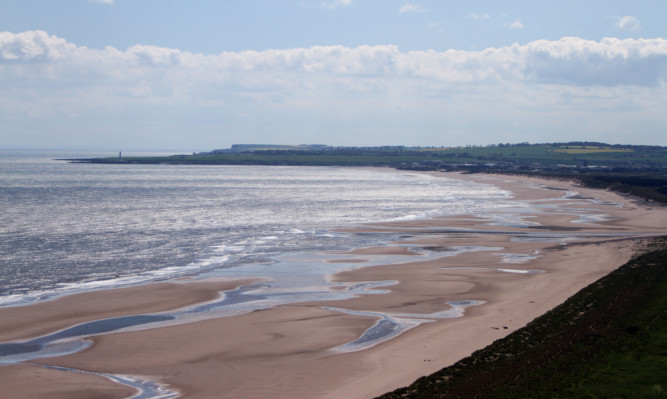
(67, 227)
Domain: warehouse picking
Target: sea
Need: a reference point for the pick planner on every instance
(69, 227)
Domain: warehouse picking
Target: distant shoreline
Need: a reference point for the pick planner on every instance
(638, 170)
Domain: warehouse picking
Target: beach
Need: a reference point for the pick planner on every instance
(483, 278)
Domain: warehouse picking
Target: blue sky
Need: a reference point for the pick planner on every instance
(196, 75)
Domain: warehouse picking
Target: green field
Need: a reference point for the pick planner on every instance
(587, 149)
(520, 156)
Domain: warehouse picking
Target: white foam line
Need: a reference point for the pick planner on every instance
(402, 322)
(497, 269)
(119, 282)
(147, 388)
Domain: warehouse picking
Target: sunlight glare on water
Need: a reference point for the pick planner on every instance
(72, 226)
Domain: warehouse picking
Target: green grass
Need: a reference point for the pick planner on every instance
(638, 366)
(587, 149)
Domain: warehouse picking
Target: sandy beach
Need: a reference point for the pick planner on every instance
(512, 271)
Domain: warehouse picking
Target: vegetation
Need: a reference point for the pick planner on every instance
(650, 186)
(518, 156)
(607, 341)
(588, 149)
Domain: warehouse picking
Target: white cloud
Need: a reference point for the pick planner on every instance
(610, 62)
(336, 3)
(516, 24)
(628, 23)
(45, 76)
(34, 46)
(477, 17)
(102, 1)
(566, 61)
(411, 8)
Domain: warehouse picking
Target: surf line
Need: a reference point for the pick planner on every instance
(391, 325)
(147, 389)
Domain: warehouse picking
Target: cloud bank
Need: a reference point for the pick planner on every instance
(568, 61)
(44, 75)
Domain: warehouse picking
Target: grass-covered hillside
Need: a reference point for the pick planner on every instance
(524, 155)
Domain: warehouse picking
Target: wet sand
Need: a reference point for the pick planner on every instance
(29, 381)
(289, 351)
(45, 317)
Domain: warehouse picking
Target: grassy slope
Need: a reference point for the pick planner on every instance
(607, 341)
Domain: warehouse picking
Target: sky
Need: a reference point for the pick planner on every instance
(196, 75)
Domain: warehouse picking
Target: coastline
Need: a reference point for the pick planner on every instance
(289, 350)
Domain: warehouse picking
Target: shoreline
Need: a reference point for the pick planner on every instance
(292, 346)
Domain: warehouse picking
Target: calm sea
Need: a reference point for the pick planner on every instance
(67, 227)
